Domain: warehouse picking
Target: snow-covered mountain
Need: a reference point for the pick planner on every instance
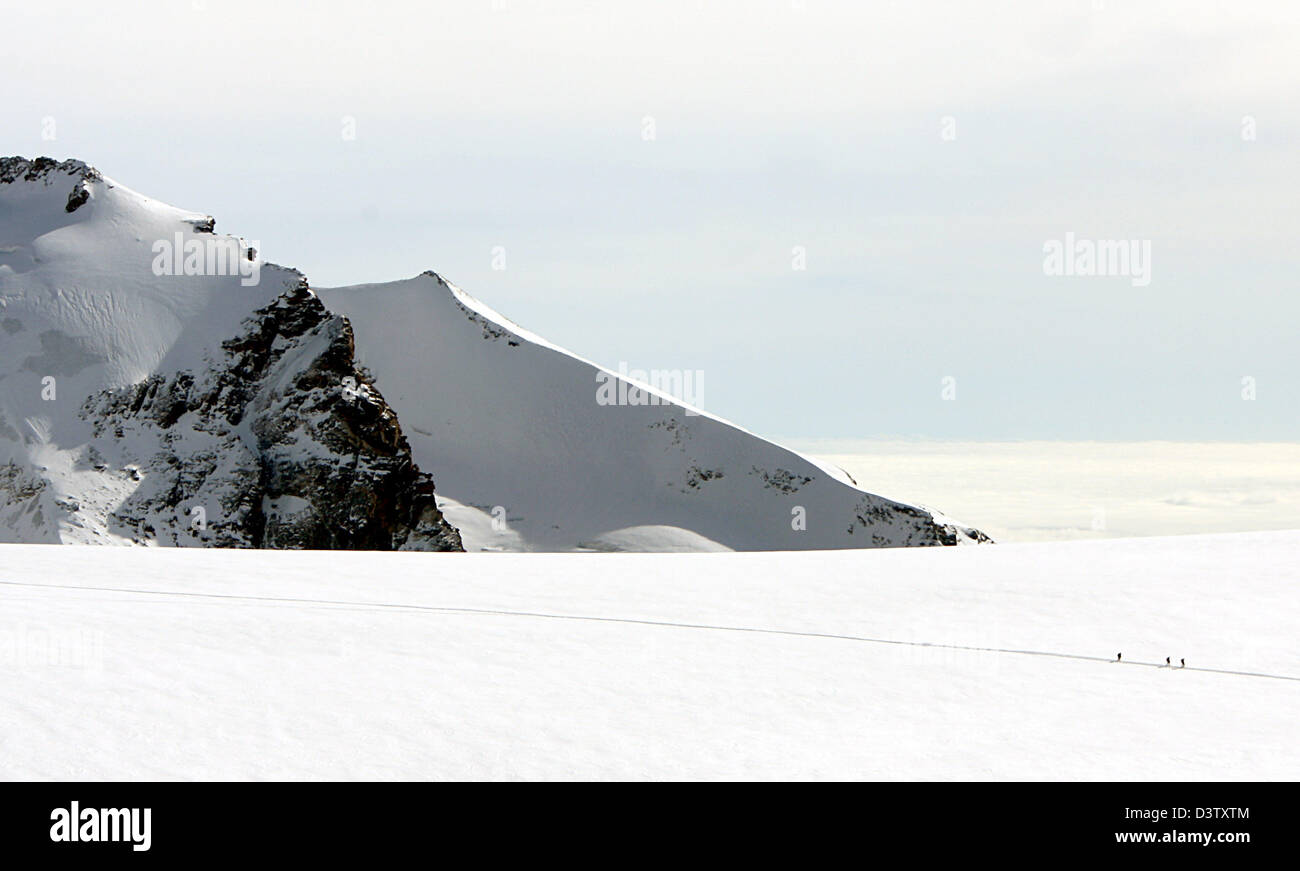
(161, 384)
(572, 459)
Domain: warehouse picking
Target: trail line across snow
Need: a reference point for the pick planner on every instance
(335, 604)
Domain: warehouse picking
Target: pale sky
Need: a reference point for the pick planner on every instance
(919, 154)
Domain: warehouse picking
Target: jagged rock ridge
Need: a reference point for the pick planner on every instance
(285, 443)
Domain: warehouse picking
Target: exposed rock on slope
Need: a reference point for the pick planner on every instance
(284, 443)
(45, 170)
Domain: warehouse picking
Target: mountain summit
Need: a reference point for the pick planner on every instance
(148, 404)
(161, 384)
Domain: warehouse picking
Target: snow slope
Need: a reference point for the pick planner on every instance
(985, 663)
(508, 422)
(80, 303)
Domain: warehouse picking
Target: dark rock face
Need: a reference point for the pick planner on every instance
(283, 443)
(79, 197)
(47, 170)
(919, 527)
(42, 168)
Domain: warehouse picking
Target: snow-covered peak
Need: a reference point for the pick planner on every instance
(536, 448)
(131, 408)
(139, 283)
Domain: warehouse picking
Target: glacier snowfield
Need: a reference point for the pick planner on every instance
(944, 663)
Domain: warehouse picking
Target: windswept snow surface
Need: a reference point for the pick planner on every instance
(982, 663)
(511, 425)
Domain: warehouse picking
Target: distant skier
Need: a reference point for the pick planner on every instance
(1182, 663)
(1119, 657)
(1167, 662)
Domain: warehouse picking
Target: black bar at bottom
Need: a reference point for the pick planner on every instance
(389, 821)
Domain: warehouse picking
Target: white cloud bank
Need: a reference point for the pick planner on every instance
(1061, 491)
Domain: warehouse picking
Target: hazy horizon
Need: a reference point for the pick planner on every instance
(1029, 491)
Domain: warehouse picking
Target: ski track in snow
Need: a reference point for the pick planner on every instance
(492, 612)
(933, 663)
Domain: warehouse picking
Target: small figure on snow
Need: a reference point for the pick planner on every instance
(1182, 663)
(1167, 662)
(1119, 657)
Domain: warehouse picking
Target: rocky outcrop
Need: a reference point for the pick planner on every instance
(43, 168)
(282, 443)
(24, 506)
(918, 527)
(49, 171)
